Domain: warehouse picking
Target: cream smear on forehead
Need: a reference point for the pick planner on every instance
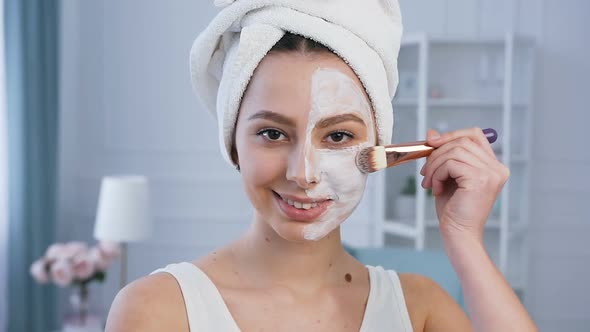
(334, 170)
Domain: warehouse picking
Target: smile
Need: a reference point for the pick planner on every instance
(300, 205)
(301, 209)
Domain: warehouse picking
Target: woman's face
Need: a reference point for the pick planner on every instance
(301, 124)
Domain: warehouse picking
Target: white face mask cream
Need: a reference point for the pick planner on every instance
(334, 170)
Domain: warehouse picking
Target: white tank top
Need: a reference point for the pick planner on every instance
(207, 312)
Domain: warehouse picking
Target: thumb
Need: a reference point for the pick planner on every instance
(433, 137)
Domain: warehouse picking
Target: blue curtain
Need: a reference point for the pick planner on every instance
(31, 37)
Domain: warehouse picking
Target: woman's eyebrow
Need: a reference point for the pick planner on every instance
(272, 116)
(338, 119)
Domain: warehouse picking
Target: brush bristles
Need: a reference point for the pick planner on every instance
(372, 159)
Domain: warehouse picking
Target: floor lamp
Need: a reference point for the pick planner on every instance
(123, 214)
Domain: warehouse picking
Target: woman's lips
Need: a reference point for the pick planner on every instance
(306, 215)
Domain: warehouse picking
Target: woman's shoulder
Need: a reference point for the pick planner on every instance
(429, 305)
(151, 303)
(417, 285)
(418, 290)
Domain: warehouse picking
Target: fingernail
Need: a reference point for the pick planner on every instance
(422, 169)
(432, 134)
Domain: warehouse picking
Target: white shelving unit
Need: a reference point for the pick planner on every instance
(448, 83)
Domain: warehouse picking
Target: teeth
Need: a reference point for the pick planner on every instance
(299, 205)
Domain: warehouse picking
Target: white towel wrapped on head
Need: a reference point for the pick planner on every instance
(364, 33)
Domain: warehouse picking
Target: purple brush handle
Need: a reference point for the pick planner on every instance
(491, 135)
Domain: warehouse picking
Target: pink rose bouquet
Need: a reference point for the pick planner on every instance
(74, 263)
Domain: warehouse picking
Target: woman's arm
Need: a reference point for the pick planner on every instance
(491, 303)
(466, 178)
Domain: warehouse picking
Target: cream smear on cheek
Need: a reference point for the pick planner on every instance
(334, 170)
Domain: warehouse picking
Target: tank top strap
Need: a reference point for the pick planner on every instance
(205, 309)
(386, 308)
(400, 301)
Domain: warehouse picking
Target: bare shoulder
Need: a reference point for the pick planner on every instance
(152, 303)
(430, 307)
(418, 288)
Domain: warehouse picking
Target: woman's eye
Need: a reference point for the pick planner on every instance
(339, 137)
(272, 134)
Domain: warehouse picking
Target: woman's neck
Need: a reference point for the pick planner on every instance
(302, 266)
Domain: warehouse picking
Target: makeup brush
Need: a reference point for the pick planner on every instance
(376, 158)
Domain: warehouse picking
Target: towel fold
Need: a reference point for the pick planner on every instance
(364, 33)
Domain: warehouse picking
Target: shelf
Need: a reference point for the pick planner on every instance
(490, 224)
(405, 102)
(404, 226)
(455, 102)
(413, 39)
(469, 64)
(405, 229)
(400, 229)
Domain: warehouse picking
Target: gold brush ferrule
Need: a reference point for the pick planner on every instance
(400, 153)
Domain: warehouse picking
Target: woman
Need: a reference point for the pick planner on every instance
(301, 119)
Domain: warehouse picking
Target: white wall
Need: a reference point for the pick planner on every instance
(560, 256)
(127, 107)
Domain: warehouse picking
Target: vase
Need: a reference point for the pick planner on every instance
(81, 319)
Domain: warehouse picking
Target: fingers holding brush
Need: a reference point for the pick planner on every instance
(469, 146)
(464, 176)
(450, 169)
(483, 138)
(460, 150)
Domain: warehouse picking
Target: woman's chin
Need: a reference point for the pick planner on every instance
(291, 231)
(294, 231)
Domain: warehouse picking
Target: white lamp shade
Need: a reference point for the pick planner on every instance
(123, 209)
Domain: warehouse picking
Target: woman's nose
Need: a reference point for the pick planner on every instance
(302, 168)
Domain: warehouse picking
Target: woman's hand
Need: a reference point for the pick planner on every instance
(465, 178)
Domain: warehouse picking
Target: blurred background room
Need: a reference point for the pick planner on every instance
(109, 162)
